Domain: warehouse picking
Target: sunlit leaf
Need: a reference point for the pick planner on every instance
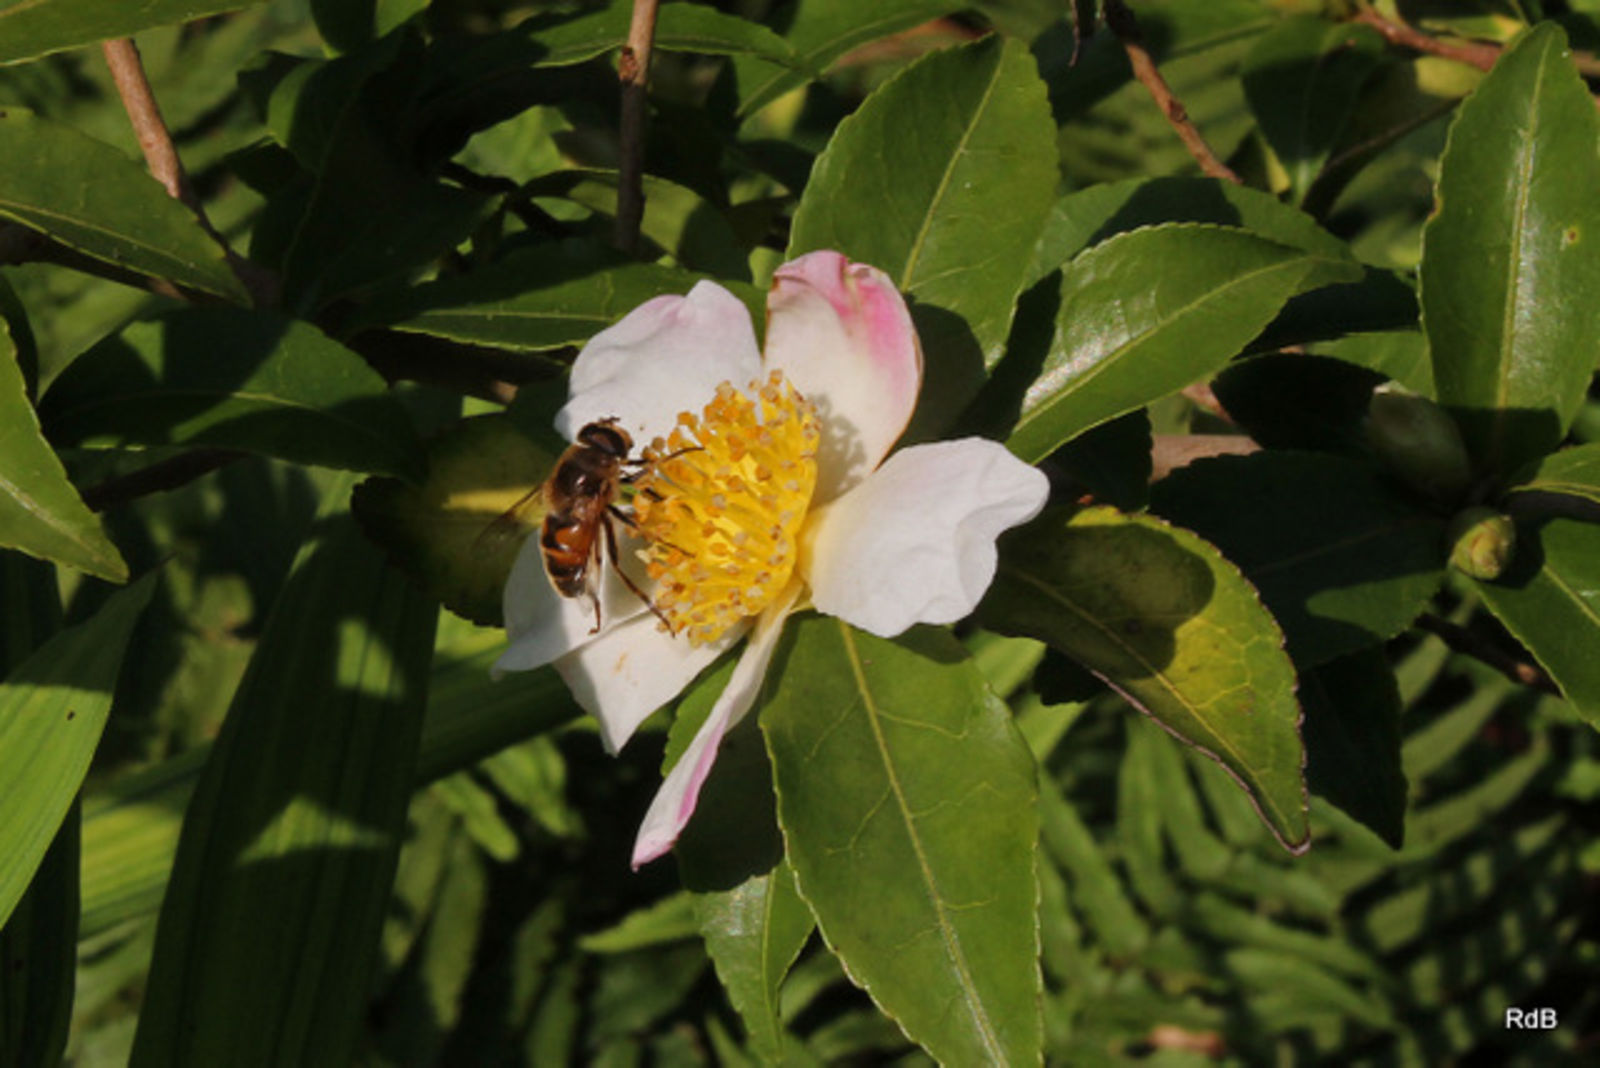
(907, 802)
(1171, 625)
(1511, 256)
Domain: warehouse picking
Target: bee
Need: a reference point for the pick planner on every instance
(580, 500)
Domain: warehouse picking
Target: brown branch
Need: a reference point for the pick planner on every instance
(161, 156)
(1121, 22)
(1473, 54)
(163, 475)
(1467, 643)
(633, 70)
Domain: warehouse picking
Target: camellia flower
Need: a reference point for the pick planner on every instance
(765, 490)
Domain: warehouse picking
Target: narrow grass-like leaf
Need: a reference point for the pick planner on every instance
(40, 511)
(1550, 599)
(1510, 272)
(87, 195)
(909, 184)
(235, 379)
(1341, 561)
(1172, 625)
(1146, 313)
(271, 923)
(53, 707)
(753, 934)
(30, 28)
(907, 800)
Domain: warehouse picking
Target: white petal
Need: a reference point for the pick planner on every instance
(542, 625)
(674, 802)
(633, 669)
(914, 543)
(841, 333)
(666, 356)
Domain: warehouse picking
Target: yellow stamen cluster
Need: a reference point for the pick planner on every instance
(720, 504)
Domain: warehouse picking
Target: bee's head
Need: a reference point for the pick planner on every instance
(607, 437)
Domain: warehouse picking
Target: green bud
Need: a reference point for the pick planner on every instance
(1419, 442)
(1482, 542)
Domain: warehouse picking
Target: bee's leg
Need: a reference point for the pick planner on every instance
(628, 520)
(616, 563)
(641, 465)
(596, 566)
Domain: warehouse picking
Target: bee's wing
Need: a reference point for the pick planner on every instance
(509, 527)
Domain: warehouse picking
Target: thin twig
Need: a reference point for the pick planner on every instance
(633, 70)
(1122, 23)
(161, 156)
(1467, 643)
(1473, 54)
(163, 475)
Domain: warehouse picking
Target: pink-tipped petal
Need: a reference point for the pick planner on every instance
(674, 803)
(542, 625)
(633, 669)
(914, 543)
(665, 357)
(842, 334)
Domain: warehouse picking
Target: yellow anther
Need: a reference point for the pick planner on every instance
(720, 505)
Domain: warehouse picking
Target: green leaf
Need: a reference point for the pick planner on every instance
(296, 823)
(1173, 626)
(1574, 472)
(1290, 401)
(448, 532)
(53, 707)
(529, 302)
(679, 28)
(907, 800)
(90, 197)
(1302, 79)
(909, 183)
(753, 933)
(1550, 600)
(1146, 313)
(1510, 271)
(40, 510)
(1352, 732)
(1087, 217)
(234, 379)
(821, 32)
(1341, 561)
(30, 28)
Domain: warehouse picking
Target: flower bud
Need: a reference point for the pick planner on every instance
(1419, 442)
(1482, 542)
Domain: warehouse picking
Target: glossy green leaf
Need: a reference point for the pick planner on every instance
(1086, 217)
(1173, 626)
(909, 183)
(90, 197)
(1302, 79)
(1341, 560)
(529, 302)
(679, 28)
(458, 532)
(1146, 313)
(296, 823)
(30, 28)
(235, 379)
(53, 707)
(40, 510)
(821, 32)
(1574, 472)
(1352, 732)
(753, 934)
(1511, 257)
(907, 801)
(1550, 600)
